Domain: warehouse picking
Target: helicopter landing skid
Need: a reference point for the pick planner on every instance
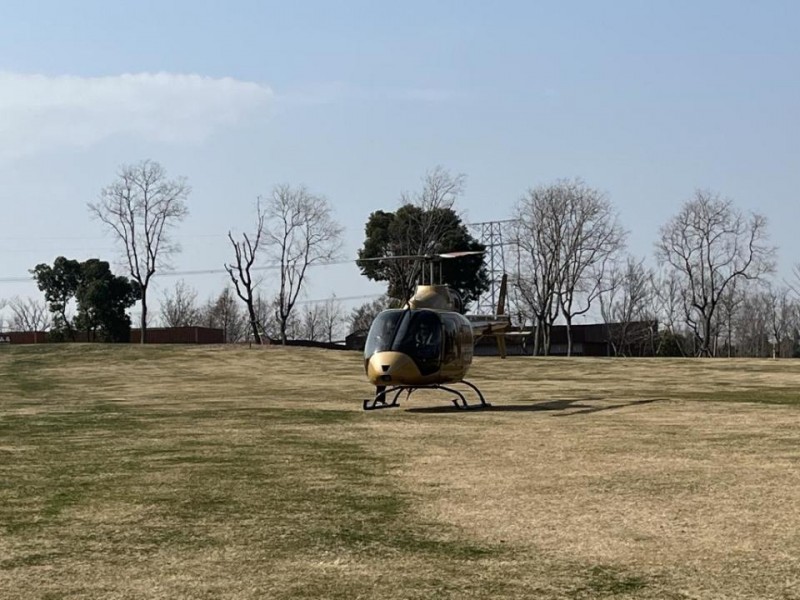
(463, 404)
(379, 401)
(460, 402)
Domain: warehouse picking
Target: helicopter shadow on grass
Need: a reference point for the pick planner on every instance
(575, 406)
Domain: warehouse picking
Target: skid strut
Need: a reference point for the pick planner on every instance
(460, 401)
(381, 396)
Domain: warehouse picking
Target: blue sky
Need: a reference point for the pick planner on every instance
(645, 101)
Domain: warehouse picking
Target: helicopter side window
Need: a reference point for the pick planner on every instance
(466, 334)
(450, 339)
(382, 332)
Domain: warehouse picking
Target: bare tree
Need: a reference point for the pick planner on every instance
(424, 224)
(28, 314)
(781, 318)
(668, 309)
(179, 307)
(301, 232)
(320, 320)
(627, 298)
(361, 317)
(539, 231)
(795, 286)
(140, 208)
(440, 190)
(267, 315)
(752, 325)
(223, 312)
(592, 238)
(264, 308)
(710, 244)
(294, 327)
(567, 234)
(311, 322)
(729, 302)
(332, 318)
(240, 273)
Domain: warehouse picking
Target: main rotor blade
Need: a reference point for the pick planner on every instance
(459, 254)
(395, 257)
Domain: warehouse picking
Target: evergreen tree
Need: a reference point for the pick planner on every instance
(102, 298)
(403, 233)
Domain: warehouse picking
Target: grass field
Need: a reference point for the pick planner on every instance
(211, 472)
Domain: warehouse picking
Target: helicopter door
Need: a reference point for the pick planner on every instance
(420, 337)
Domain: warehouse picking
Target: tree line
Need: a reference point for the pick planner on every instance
(141, 208)
(293, 230)
(710, 293)
(318, 321)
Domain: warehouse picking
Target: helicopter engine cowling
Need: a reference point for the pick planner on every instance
(437, 297)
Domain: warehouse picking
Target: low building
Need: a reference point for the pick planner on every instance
(598, 339)
(356, 340)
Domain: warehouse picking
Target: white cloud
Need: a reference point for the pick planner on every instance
(40, 112)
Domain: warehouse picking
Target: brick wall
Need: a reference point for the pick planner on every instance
(23, 337)
(180, 335)
(155, 335)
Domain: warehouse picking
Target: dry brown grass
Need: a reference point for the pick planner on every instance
(234, 473)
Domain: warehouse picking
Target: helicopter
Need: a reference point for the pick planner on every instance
(428, 344)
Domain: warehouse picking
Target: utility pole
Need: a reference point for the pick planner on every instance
(494, 236)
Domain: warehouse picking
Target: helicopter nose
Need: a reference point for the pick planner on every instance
(385, 368)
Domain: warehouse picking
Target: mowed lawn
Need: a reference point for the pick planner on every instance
(228, 472)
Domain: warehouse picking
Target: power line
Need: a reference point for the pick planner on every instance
(271, 267)
(192, 272)
(186, 273)
(342, 298)
(33, 238)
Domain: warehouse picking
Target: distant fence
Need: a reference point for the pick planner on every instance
(23, 337)
(180, 335)
(160, 335)
(155, 335)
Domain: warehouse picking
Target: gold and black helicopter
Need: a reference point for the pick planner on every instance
(428, 344)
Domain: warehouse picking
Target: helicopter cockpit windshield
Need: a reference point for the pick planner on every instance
(416, 333)
(382, 332)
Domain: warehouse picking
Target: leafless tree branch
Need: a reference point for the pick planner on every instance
(140, 208)
(710, 245)
(246, 251)
(179, 308)
(28, 314)
(300, 231)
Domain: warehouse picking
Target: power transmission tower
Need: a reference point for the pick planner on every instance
(491, 235)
